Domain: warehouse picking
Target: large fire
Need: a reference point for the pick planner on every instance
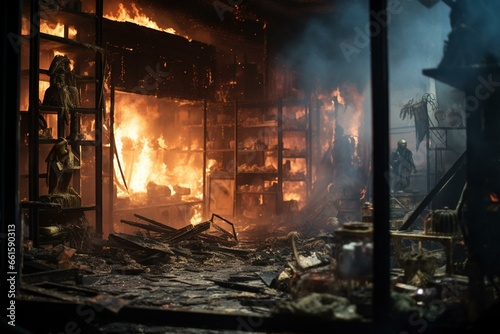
(344, 107)
(150, 153)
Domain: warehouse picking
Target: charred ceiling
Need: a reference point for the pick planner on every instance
(148, 61)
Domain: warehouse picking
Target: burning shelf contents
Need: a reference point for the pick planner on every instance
(158, 152)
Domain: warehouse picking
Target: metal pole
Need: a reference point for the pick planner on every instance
(380, 133)
(98, 122)
(11, 248)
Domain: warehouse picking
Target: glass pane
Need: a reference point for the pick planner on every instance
(428, 140)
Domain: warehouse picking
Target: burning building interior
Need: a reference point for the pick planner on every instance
(258, 166)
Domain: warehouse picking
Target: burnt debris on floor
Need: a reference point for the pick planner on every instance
(280, 269)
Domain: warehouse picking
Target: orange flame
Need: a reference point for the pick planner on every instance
(339, 98)
(136, 16)
(142, 156)
(58, 30)
(494, 198)
(363, 194)
(295, 191)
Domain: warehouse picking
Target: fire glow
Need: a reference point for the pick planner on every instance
(344, 107)
(135, 15)
(143, 151)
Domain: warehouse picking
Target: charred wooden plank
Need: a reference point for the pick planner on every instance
(142, 244)
(167, 228)
(188, 232)
(144, 226)
(217, 240)
(230, 250)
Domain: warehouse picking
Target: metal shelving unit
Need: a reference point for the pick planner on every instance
(75, 33)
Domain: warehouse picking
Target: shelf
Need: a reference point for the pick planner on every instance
(69, 17)
(294, 129)
(273, 150)
(79, 78)
(62, 44)
(80, 208)
(294, 156)
(55, 110)
(220, 125)
(174, 150)
(221, 175)
(256, 104)
(220, 150)
(60, 15)
(256, 173)
(70, 142)
(295, 179)
(86, 54)
(255, 123)
(262, 125)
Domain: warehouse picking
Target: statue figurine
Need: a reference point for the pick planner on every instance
(62, 92)
(61, 163)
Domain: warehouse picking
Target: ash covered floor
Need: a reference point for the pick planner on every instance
(278, 277)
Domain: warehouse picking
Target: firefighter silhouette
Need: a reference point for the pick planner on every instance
(402, 166)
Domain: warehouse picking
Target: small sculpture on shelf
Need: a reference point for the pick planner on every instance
(63, 93)
(61, 164)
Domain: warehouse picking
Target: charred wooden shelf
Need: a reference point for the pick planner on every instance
(220, 125)
(295, 129)
(44, 76)
(273, 150)
(260, 125)
(80, 208)
(294, 156)
(55, 110)
(70, 142)
(220, 150)
(62, 15)
(51, 42)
